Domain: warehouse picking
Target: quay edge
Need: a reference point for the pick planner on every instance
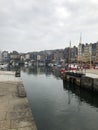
(83, 81)
(95, 84)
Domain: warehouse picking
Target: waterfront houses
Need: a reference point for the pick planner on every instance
(80, 52)
(88, 53)
(30, 56)
(74, 54)
(27, 57)
(15, 56)
(94, 51)
(5, 56)
(0, 56)
(71, 54)
(96, 55)
(84, 53)
(58, 55)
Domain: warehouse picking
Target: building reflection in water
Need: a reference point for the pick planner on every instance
(37, 70)
(83, 95)
(42, 70)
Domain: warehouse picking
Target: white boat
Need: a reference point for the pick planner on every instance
(73, 66)
(26, 63)
(29, 64)
(3, 66)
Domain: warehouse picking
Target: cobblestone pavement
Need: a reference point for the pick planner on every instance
(15, 112)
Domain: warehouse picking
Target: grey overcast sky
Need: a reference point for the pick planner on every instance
(34, 25)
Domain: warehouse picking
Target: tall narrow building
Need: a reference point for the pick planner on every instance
(0, 56)
(80, 50)
(96, 57)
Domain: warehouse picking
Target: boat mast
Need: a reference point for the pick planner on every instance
(69, 55)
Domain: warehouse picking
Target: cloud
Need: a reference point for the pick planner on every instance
(31, 25)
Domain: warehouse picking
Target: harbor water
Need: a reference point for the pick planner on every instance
(58, 105)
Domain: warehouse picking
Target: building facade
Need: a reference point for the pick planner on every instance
(15, 56)
(71, 54)
(5, 56)
(80, 53)
(0, 56)
(96, 53)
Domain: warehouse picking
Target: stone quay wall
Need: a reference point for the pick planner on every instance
(15, 112)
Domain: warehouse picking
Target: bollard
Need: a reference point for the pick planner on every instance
(17, 73)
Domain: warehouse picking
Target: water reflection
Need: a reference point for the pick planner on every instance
(42, 70)
(58, 105)
(37, 70)
(83, 95)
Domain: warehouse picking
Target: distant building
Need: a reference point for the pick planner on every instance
(27, 56)
(80, 52)
(38, 57)
(15, 56)
(41, 57)
(30, 56)
(5, 56)
(74, 54)
(66, 54)
(49, 57)
(0, 56)
(87, 52)
(96, 55)
(58, 55)
(70, 54)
